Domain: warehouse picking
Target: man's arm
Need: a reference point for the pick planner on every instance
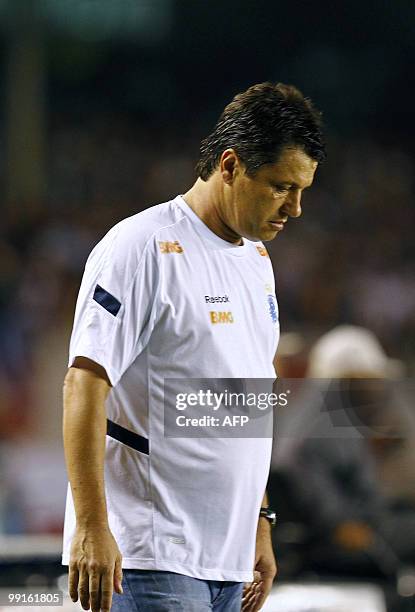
(265, 568)
(95, 563)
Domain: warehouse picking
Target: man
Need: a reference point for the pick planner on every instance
(182, 290)
(332, 449)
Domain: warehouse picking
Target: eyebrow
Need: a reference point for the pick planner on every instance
(283, 183)
(288, 184)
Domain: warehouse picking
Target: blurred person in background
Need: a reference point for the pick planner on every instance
(187, 518)
(330, 451)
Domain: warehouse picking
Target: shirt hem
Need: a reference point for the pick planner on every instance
(91, 353)
(194, 572)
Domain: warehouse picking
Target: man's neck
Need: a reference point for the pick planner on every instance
(205, 200)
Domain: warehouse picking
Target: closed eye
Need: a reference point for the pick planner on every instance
(281, 188)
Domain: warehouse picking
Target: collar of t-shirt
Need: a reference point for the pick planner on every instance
(205, 232)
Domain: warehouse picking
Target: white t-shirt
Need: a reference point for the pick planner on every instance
(144, 312)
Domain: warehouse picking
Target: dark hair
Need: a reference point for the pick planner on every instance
(259, 123)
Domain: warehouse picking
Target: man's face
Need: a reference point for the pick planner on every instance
(257, 207)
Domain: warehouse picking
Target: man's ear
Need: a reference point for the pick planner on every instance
(229, 165)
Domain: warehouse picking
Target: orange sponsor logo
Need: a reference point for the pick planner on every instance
(170, 247)
(262, 251)
(220, 317)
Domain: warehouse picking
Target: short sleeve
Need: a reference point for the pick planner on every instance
(116, 306)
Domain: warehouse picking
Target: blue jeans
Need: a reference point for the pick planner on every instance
(155, 591)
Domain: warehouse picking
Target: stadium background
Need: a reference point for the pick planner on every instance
(103, 107)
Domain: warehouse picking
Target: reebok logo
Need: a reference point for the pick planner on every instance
(220, 317)
(217, 298)
(170, 247)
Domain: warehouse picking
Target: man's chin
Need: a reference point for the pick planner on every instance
(266, 235)
(262, 235)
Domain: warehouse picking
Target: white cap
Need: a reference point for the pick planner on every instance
(291, 343)
(347, 351)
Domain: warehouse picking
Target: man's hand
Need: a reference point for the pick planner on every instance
(265, 570)
(94, 568)
(95, 563)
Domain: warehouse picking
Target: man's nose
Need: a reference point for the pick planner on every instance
(292, 204)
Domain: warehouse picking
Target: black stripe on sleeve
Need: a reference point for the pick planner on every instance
(106, 300)
(139, 443)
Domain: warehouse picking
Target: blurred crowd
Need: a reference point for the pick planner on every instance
(342, 473)
(350, 259)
